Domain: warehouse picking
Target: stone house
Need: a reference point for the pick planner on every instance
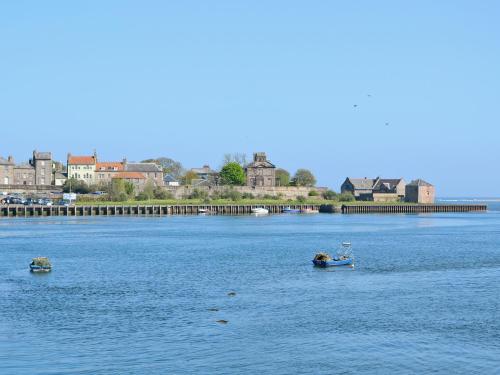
(24, 174)
(105, 171)
(60, 178)
(420, 191)
(375, 189)
(136, 178)
(206, 176)
(82, 168)
(261, 172)
(7, 171)
(42, 163)
(151, 171)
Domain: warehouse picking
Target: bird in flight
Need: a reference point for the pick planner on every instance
(355, 105)
(386, 124)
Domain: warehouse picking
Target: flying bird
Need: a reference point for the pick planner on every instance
(355, 105)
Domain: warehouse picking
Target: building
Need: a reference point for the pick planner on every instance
(136, 178)
(420, 191)
(60, 178)
(206, 176)
(42, 164)
(24, 174)
(151, 171)
(375, 189)
(170, 180)
(361, 188)
(261, 172)
(82, 168)
(106, 171)
(7, 171)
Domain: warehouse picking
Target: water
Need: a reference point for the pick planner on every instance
(132, 295)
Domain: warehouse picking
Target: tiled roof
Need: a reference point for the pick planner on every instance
(129, 175)
(81, 160)
(143, 167)
(109, 166)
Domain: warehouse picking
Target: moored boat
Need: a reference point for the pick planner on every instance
(289, 210)
(309, 211)
(40, 264)
(203, 211)
(260, 211)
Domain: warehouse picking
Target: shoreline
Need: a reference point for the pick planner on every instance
(231, 209)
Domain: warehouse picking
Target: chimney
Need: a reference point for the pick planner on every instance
(10, 159)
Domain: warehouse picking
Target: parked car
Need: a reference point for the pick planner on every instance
(47, 202)
(63, 202)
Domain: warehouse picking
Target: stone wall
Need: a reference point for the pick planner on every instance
(386, 197)
(285, 192)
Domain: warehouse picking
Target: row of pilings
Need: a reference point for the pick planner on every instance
(141, 210)
(412, 209)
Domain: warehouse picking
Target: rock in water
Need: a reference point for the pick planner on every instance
(231, 294)
(222, 321)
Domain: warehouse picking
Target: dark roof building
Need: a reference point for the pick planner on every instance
(261, 172)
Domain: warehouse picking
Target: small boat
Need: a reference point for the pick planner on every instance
(343, 258)
(289, 210)
(40, 264)
(260, 211)
(203, 211)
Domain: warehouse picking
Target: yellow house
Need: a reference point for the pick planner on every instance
(82, 168)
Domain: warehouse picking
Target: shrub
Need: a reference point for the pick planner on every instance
(247, 196)
(313, 193)
(346, 197)
(301, 198)
(330, 195)
(160, 193)
(142, 196)
(198, 194)
(122, 197)
(233, 195)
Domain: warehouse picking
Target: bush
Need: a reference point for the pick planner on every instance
(330, 195)
(301, 199)
(233, 195)
(122, 197)
(160, 193)
(198, 194)
(313, 193)
(346, 197)
(142, 196)
(247, 196)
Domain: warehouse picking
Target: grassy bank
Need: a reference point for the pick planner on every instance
(230, 202)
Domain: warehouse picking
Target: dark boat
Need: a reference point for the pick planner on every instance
(343, 258)
(40, 264)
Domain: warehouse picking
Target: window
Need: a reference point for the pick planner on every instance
(42, 163)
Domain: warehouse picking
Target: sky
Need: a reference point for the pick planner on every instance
(343, 88)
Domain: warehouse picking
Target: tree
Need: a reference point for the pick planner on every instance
(304, 177)
(117, 190)
(73, 185)
(170, 166)
(237, 157)
(188, 178)
(282, 177)
(232, 174)
(129, 188)
(330, 195)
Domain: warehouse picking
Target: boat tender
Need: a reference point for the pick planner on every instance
(289, 210)
(260, 211)
(343, 258)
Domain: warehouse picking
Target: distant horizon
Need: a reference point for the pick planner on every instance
(343, 89)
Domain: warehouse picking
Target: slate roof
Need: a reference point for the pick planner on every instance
(386, 184)
(59, 175)
(204, 170)
(419, 182)
(24, 166)
(260, 161)
(362, 183)
(142, 167)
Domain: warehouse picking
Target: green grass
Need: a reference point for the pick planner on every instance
(230, 202)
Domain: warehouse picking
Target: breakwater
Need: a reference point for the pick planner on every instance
(141, 210)
(161, 210)
(411, 209)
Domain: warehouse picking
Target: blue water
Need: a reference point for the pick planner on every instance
(132, 295)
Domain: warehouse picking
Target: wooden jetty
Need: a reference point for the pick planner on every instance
(411, 209)
(140, 210)
(162, 210)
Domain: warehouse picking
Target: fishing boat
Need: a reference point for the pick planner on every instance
(260, 211)
(40, 264)
(343, 257)
(289, 210)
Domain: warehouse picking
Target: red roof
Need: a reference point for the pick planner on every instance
(81, 160)
(109, 166)
(129, 175)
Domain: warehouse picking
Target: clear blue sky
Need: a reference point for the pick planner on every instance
(193, 80)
